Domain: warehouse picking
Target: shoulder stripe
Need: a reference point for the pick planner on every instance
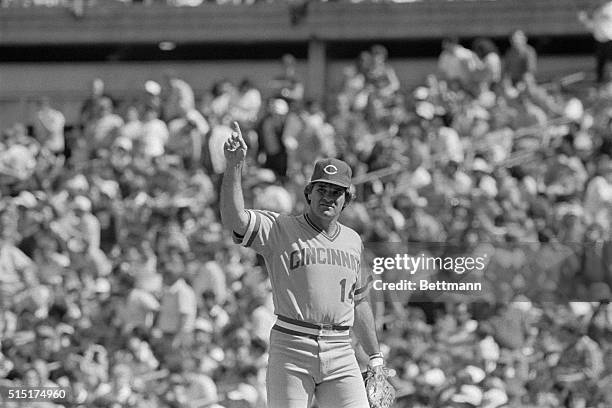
(249, 230)
(360, 299)
(267, 214)
(307, 218)
(239, 238)
(364, 287)
(255, 230)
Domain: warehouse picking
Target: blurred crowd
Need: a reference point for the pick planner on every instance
(118, 283)
(176, 3)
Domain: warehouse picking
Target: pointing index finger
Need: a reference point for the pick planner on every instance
(236, 128)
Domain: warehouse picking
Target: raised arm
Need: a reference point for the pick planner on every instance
(233, 215)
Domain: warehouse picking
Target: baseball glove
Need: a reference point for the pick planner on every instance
(381, 393)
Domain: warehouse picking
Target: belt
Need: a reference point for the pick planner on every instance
(312, 330)
(327, 326)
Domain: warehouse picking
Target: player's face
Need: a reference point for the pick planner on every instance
(327, 200)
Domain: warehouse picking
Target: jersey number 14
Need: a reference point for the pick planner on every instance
(343, 293)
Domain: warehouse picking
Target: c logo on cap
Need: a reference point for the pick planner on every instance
(330, 169)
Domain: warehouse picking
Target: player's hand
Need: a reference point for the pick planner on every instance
(235, 147)
(379, 390)
(382, 372)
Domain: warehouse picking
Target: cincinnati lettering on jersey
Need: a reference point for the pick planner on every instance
(328, 256)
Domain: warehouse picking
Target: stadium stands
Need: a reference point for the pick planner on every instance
(94, 238)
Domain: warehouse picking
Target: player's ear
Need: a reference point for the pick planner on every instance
(349, 196)
(307, 192)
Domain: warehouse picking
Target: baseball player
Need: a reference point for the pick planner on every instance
(319, 287)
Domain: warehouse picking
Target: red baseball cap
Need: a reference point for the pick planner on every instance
(333, 171)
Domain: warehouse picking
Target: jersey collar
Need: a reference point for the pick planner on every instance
(330, 237)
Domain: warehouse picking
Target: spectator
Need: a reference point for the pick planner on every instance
(457, 64)
(223, 94)
(90, 106)
(84, 241)
(381, 74)
(102, 131)
(353, 88)
(185, 3)
(520, 61)
(287, 85)
(186, 137)
(491, 72)
(215, 145)
(300, 129)
(527, 113)
(17, 268)
(177, 97)
(49, 257)
(247, 105)
(17, 163)
(152, 96)
(600, 24)
(49, 127)
(155, 135)
(211, 281)
(598, 196)
(178, 306)
(141, 307)
(273, 142)
(133, 127)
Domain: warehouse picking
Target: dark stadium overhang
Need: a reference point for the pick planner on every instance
(273, 22)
